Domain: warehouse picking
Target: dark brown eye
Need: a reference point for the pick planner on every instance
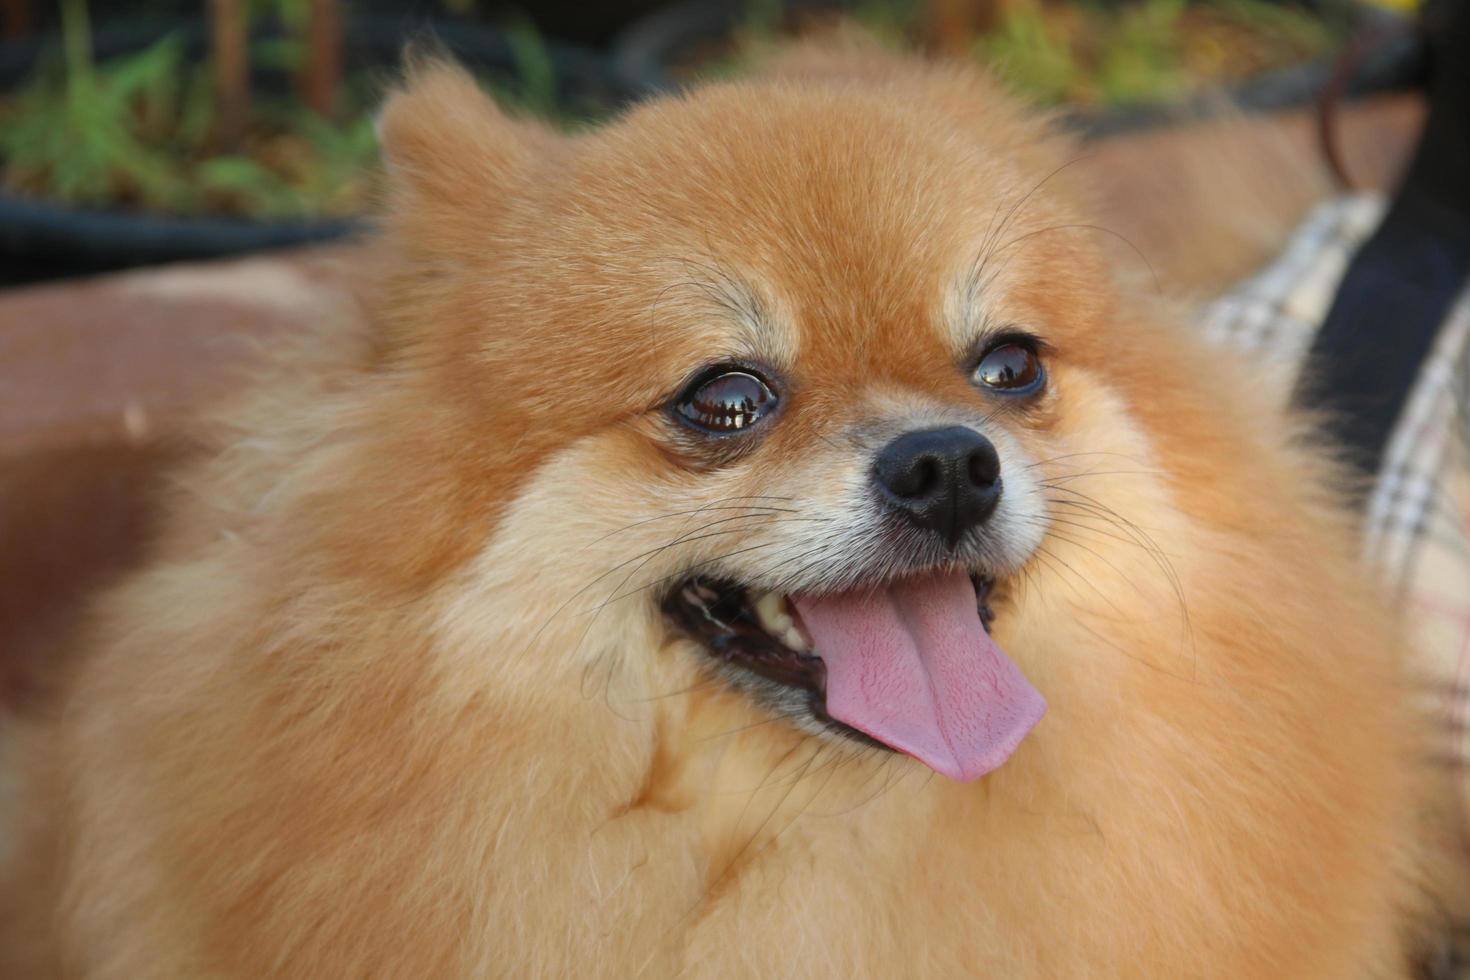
(1010, 367)
(727, 402)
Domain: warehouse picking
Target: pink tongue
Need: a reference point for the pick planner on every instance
(912, 666)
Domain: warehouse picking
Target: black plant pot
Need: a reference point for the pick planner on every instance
(42, 239)
(650, 51)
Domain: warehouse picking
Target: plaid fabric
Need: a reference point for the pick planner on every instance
(1417, 527)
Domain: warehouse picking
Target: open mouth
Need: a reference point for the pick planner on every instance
(908, 665)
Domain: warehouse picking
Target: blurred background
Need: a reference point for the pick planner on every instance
(143, 131)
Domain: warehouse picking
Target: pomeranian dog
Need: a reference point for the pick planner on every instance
(763, 536)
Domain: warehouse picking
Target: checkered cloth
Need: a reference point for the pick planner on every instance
(1417, 531)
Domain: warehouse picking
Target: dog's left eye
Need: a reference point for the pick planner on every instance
(726, 401)
(1010, 366)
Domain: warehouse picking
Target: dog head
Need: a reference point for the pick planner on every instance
(787, 386)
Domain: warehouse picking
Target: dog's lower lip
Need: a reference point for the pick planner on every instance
(725, 618)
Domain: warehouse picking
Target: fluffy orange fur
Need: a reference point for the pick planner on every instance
(394, 696)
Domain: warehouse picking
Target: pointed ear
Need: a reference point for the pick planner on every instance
(444, 138)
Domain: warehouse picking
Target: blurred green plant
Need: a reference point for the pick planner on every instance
(140, 130)
(1025, 49)
(1142, 60)
(137, 131)
(80, 130)
(1146, 50)
(1109, 52)
(535, 91)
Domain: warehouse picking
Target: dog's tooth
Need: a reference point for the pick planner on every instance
(793, 638)
(771, 610)
(768, 610)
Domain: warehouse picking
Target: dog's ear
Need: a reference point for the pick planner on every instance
(443, 138)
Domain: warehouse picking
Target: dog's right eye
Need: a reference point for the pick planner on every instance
(725, 401)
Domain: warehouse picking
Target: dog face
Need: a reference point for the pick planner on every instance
(791, 393)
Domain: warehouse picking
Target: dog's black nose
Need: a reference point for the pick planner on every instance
(945, 480)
